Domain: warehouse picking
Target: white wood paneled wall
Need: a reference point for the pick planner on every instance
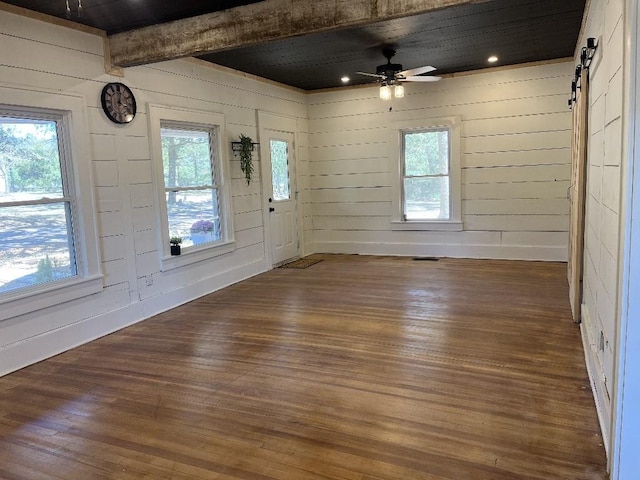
(40, 55)
(600, 310)
(515, 147)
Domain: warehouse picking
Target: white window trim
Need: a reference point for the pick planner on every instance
(199, 118)
(397, 129)
(89, 278)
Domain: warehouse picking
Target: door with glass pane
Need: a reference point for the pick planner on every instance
(282, 197)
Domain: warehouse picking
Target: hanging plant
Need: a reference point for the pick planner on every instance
(246, 154)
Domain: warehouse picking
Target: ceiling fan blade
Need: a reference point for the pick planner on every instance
(371, 75)
(421, 79)
(417, 71)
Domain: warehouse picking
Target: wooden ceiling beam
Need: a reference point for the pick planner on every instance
(257, 23)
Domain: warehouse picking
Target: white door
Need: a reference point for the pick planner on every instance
(282, 196)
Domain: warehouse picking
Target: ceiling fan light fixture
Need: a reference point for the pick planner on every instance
(492, 59)
(385, 92)
(345, 79)
(391, 75)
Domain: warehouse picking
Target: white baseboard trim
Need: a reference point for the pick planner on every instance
(501, 252)
(180, 296)
(21, 354)
(40, 347)
(588, 346)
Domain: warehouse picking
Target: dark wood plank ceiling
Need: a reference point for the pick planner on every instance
(455, 39)
(115, 16)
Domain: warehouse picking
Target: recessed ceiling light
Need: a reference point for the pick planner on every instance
(492, 59)
(345, 79)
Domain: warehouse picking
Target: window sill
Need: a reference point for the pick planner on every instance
(190, 255)
(38, 297)
(435, 225)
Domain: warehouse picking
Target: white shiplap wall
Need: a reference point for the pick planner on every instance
(39, 55)
(600, 311)
(515, 149)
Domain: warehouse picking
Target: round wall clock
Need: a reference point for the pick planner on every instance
(118, 102)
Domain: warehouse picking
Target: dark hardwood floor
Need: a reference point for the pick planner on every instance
(357, 368)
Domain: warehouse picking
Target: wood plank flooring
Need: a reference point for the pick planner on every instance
(357, 368)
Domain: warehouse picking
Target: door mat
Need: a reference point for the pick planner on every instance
(302, 263)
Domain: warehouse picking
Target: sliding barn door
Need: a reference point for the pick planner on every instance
(577, 194)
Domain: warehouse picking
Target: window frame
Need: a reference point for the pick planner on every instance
(290, 193)
(174, 117)
(398, 132)
(69, 111)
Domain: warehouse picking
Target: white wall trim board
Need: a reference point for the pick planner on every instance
(498, 252)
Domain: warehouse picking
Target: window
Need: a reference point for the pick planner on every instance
(280, 170)
(35, 203)
(425, 176)
(193, 196)
(428, 189)
(49, 249)
(191, 190)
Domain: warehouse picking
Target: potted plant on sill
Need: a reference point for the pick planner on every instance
(202, 231)
(175, 245)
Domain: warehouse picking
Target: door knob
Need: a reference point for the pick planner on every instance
(270, 200)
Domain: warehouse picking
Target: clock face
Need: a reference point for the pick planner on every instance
(118, 102)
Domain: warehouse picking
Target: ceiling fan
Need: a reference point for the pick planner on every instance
(391, 74)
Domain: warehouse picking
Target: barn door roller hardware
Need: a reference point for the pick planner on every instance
(586, 57)
(587, 53)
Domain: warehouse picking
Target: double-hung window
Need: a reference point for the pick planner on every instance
(191, 183)
(35, 202)
(49, 252)
(425, 175)
(194, 196)
(428, 189)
